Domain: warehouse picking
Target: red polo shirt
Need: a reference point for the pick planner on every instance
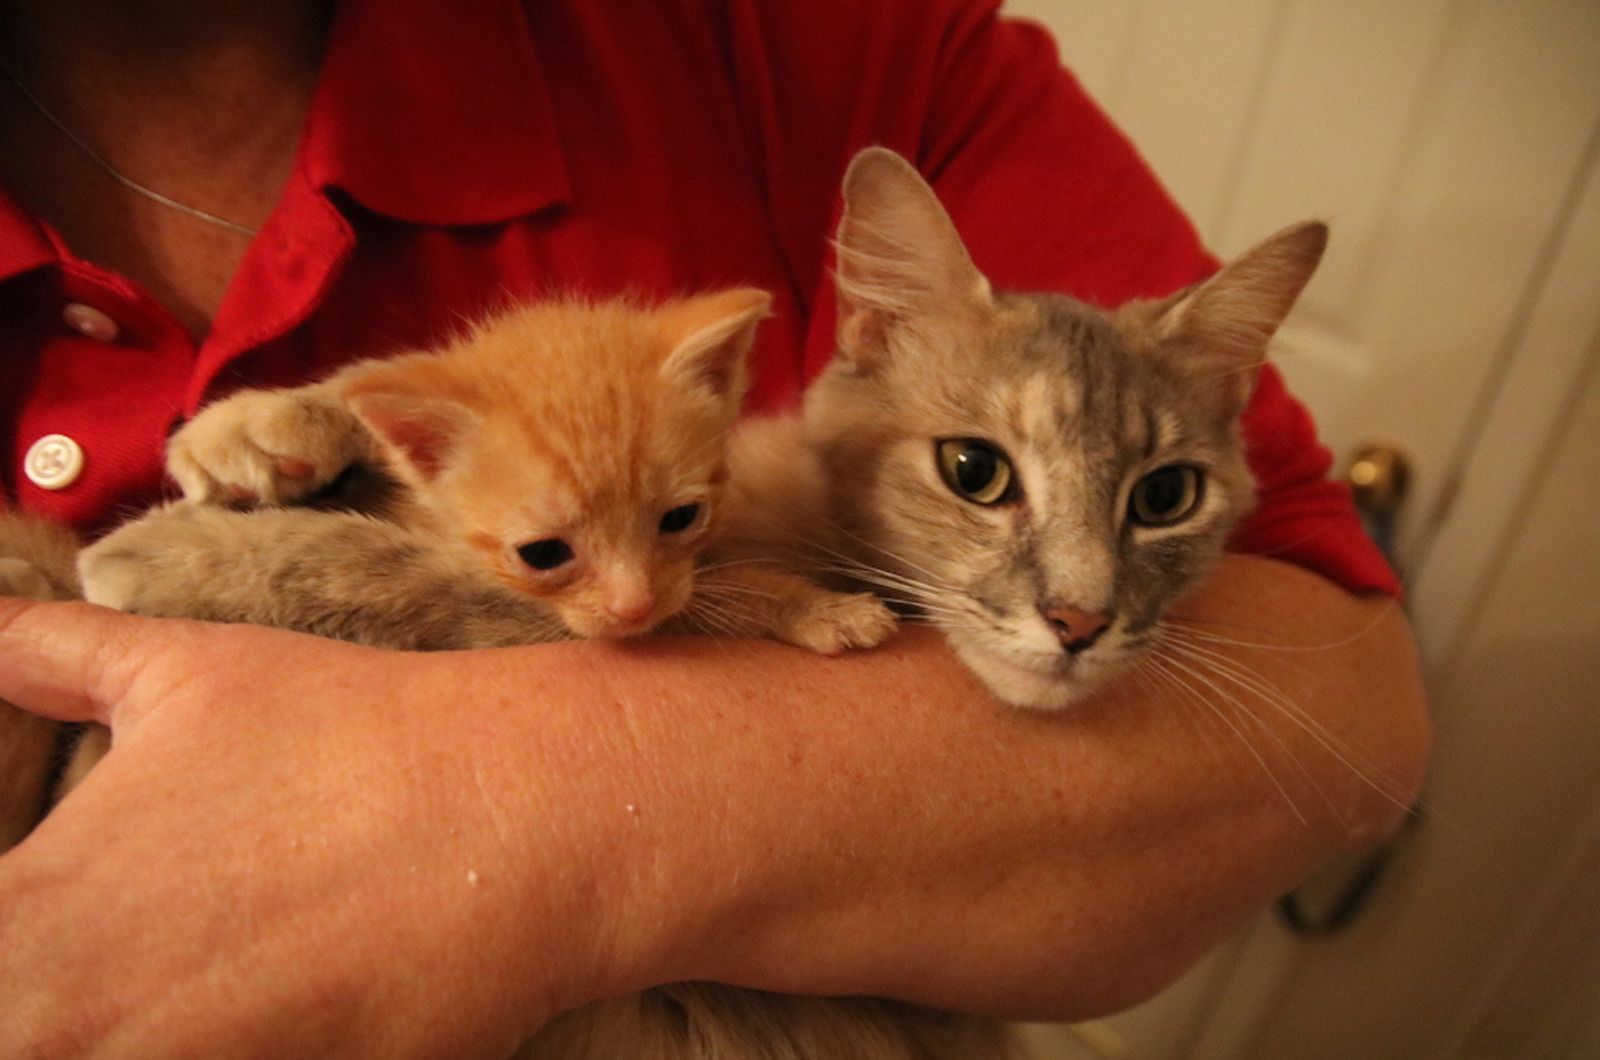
(457, 155)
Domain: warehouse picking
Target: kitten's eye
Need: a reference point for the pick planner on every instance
(976, 470)
(680, 518)
(548, 554)
(1165, 496)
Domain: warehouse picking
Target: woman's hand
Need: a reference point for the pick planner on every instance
(295, 848)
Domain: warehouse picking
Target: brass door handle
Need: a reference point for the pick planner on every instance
(1379, 477)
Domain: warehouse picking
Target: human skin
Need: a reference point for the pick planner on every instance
(275, 858)
(300, 847)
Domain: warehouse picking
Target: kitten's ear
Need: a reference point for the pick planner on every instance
(710, 338)
(404, 404)
(899, 255)
(1225, 323)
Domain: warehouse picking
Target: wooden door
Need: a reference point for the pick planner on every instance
(1453, 147)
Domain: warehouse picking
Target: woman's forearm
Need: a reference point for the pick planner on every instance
(876, 824)
(295, 839)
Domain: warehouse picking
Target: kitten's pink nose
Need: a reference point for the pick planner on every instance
(1077, 630)
(631, 608)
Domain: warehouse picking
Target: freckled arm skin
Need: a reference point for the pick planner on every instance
(300, 846)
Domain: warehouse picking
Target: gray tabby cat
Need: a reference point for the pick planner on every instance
(1040, 478)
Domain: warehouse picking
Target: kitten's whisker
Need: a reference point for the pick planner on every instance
(727, 589)
(742, 561)
(734, 610)
(716, 618)
(729, 606)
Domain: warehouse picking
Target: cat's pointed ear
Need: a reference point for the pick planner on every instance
(408, 411)
(1225, 323)
(899, 256)
(709, 337)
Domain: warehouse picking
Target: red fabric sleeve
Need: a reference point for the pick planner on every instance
(1047, 193)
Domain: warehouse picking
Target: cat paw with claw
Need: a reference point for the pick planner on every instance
(265, 448)
(832, 623)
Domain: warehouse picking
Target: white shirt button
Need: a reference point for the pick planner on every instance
(54, 462)
(88, 321)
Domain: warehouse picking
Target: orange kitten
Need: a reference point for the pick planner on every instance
(564, 466)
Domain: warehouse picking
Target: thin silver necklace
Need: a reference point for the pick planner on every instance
(111, 171)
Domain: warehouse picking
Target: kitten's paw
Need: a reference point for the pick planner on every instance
(130, 568)
(835, 622)
(18, 577)
(265, 447)
(111, 577)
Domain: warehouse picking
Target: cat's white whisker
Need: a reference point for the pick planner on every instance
(1346, 754)
(1158, 680)
(876, 547)
(1179, 639)
(1234, 724)
(1203, 666)
(888, 578)
(1199, 629)
(909, 603)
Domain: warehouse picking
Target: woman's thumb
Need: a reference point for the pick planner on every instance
(73, 661)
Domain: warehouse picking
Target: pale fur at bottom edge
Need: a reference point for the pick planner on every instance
(706, 1021)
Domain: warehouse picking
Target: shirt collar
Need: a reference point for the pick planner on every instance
(424, 112)
(23, 243)
(434, 113)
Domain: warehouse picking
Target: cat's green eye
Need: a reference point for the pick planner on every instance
(976, 470)
(680, 518)
(547, 554)
(1165, 496)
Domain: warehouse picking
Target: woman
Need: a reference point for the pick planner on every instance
(301, 847)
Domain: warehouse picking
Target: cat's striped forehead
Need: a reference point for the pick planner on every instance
(1060, 378)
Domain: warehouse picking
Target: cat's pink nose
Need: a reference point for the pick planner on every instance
(1077, 630)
